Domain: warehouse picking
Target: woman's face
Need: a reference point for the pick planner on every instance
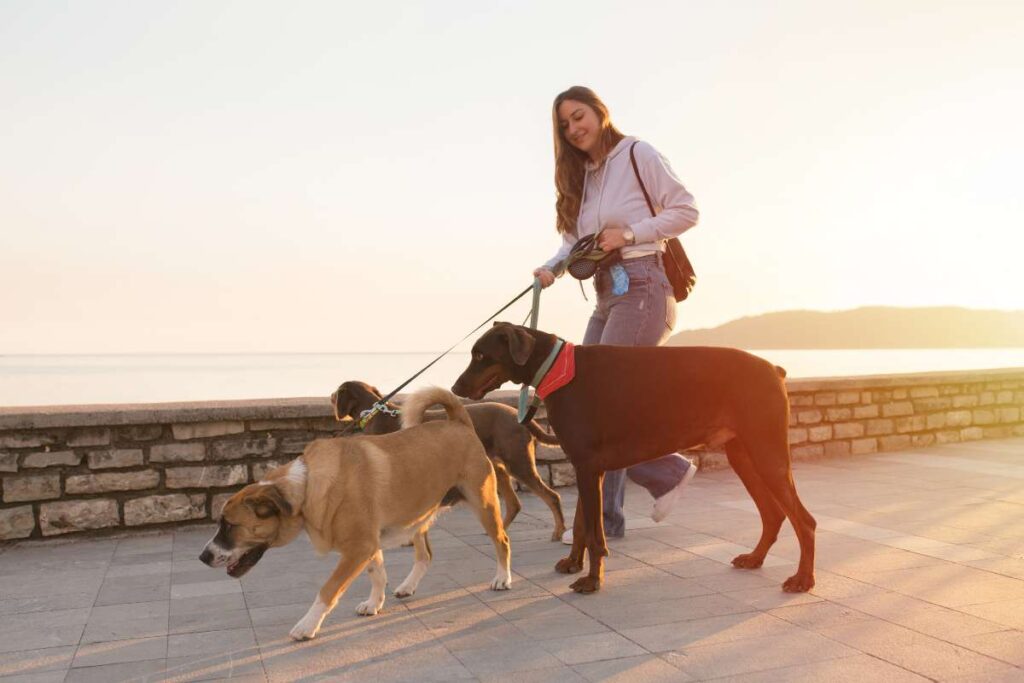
(580, 126)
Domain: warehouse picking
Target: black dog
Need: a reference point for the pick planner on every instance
(631, 404)
(509, 445)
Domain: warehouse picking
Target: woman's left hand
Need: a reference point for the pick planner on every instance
(612, 237)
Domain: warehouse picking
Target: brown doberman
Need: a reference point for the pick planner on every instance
(508, 444)
(631, 404)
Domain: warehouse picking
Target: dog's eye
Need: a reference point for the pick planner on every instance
(478, 357)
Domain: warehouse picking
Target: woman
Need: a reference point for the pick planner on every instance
(598, 192)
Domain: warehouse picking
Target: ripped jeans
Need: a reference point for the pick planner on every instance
(643, 316)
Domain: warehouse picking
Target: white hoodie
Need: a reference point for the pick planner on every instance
(611, 193)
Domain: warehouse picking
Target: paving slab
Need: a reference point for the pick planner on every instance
(920, 576)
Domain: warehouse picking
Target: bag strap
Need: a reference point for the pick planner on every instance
(636, 170)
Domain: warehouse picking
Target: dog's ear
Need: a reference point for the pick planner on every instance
(268, 502)
(520, 344)
(343, 403)
(380, 394)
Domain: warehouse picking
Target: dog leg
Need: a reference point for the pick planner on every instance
(484, 499)
(347, 570)
(508, 494)
(777, 474)
(589, 485)
(379, 583)
(772, 515)
(421, 548)
(573, 563)
(531, 479)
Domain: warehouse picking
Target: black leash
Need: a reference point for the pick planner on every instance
(380, 405)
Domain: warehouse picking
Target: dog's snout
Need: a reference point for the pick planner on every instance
(206, 557)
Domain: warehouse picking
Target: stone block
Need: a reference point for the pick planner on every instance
(972, 434)
(202, 430)
(880, 426)
(866, 397)
(176, 507)
(900, 394)
(820, 433)
(997, 432)
(275, 425)
(1018, 430)
(77, 515)
(825, 398)
(1011, 414)
(801, 400)
(17, 522)
(922, 440)
(838, 414)
(924, 392)
(8, 462)
(983, 417)
(89, 436)
(260, 469)
(139, 432)
(949, 390)
(807, 452)
(966, 401)
(845, 398)
(958, 418)
(217, 504)
(31, 487)
(880, 397)
(112, 481)
(797, 435)
(51, 459)
(947, 436)
(927, 405)
(848, 430)
(806, 417)
(204, 477)
(177, 452)
(914, 423)
(863, 446)
(27, 440)
(563, 474)
(894, 442)
(326, 424)
(118, 457)
(549, 453)
(897, 409)
(863, 412)
(986, 398)
(837, 448)
(233, 450)
(935, 421)
(294, 445)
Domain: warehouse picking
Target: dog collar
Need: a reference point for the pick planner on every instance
(367, 415)
(528, 408)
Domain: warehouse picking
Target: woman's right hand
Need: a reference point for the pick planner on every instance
(546, 277)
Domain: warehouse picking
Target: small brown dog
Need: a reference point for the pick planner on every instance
(359, 495)
(509, 445)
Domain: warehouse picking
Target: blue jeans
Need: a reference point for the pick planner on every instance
(643, 316)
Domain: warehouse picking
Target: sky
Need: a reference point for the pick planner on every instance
(335, 176)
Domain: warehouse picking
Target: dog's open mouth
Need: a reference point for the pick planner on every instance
(246, 562)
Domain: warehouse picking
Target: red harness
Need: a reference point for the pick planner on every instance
(562, 371)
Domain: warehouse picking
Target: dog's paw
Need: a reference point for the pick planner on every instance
(747, 561)
(568, 565)
(586, 584)
(798, 583)
(501, 582)
(556, 535)
(368, 608)
(404, 592)
(305, 629)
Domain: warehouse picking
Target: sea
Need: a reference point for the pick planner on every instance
(47, 380)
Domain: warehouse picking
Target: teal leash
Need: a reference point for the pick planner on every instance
(526, 407)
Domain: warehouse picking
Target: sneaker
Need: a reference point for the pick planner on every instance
(663, 505)
(567, 537)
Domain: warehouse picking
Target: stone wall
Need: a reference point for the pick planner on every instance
(84, 468)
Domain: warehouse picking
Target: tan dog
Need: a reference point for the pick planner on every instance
(361, 494)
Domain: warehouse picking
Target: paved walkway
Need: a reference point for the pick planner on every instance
(920, 576)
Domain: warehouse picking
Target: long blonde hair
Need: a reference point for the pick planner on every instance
(570, 162)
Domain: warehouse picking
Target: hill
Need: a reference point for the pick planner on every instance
(872, 327)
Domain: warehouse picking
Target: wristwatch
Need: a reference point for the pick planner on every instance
(629, 236)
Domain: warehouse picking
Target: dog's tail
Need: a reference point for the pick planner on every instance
(417, 404)
(543, 436)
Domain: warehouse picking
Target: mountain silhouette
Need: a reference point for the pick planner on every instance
(870, 327)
